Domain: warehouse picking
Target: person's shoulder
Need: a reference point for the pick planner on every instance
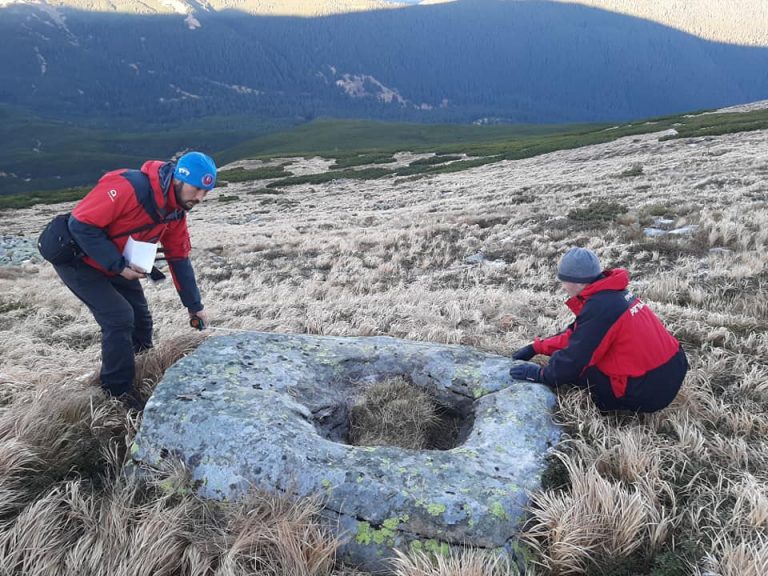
(608, 303)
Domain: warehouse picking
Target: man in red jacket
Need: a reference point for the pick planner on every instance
(617, 347)
(149, 205)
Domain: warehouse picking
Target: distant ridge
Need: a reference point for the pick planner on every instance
(742, 22)
(307, 8)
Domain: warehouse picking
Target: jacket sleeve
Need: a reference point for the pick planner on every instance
(591, 326)
(177, 246)
(186, 285)
(91, 217)
(552, 344)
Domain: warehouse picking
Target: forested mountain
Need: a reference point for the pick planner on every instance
(464, 61)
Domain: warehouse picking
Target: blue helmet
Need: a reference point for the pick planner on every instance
(196, 169)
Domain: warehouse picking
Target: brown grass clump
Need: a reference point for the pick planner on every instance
(273, 535)
(138, 526)
(463, 563)
(152, 364)
(393, 412)
(52, 435)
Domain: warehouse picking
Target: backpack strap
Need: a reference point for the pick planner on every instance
(146, 197)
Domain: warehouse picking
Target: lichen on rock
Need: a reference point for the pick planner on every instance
(272, 411)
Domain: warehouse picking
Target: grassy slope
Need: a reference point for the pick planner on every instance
(358, 143)
(643, 495)
(79, 150)
(333, 139)
(343, 140)
(639, 496)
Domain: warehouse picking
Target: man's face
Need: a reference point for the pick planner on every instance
(187, 196)
(572, 288)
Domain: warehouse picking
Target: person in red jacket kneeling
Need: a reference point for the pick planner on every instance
(148, 205)
(617, 347)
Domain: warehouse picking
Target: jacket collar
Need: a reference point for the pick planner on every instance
(161, 179)
(616, 279)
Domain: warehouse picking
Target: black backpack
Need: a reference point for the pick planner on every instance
(56, 243)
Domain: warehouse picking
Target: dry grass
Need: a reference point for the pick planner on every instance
(136, 528)
(463, 563)
(684, 491)
(151, 365)
(392, 412)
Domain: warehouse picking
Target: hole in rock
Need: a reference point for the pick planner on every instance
(396, 412)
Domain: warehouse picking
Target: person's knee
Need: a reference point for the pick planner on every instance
(118, 319)
(142, 319)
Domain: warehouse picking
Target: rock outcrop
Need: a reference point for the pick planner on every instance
(270, 410)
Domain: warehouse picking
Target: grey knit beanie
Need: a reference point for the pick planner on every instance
(579, 265)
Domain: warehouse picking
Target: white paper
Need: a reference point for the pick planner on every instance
(140, 254)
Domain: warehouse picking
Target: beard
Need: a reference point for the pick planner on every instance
(178, 185)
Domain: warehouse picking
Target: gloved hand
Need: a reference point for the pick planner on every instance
(524, 353)
(527, 371)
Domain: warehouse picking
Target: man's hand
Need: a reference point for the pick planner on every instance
(524, 353)
(526, 371)
(131, 273)
(198, 319)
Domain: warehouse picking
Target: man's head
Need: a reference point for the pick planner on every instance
(194, 176)
(577, 268)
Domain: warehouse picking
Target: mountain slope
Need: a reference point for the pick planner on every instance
(742, 22)
(484, 61)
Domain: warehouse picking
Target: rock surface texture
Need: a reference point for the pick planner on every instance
(271, 410)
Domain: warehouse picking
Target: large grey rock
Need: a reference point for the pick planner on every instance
(270, 410)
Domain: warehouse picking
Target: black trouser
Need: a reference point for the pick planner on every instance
(120, 308)
(648, 393)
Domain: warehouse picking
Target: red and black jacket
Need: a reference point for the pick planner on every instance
(141, 204)
(614, 331)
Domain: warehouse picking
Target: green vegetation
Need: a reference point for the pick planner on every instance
(720, 123)
(555, 475)
(365, 174)
(364, 140)
(437, 159)
(244, 175)
(52, 197)
(79, 153)
(445, 168)
(347, 161)
(354, 143)
(600, 211)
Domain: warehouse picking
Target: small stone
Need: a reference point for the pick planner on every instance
(475, 258)
(655, 232)
(684, 230)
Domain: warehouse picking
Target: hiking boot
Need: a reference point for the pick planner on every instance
(132, 401)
